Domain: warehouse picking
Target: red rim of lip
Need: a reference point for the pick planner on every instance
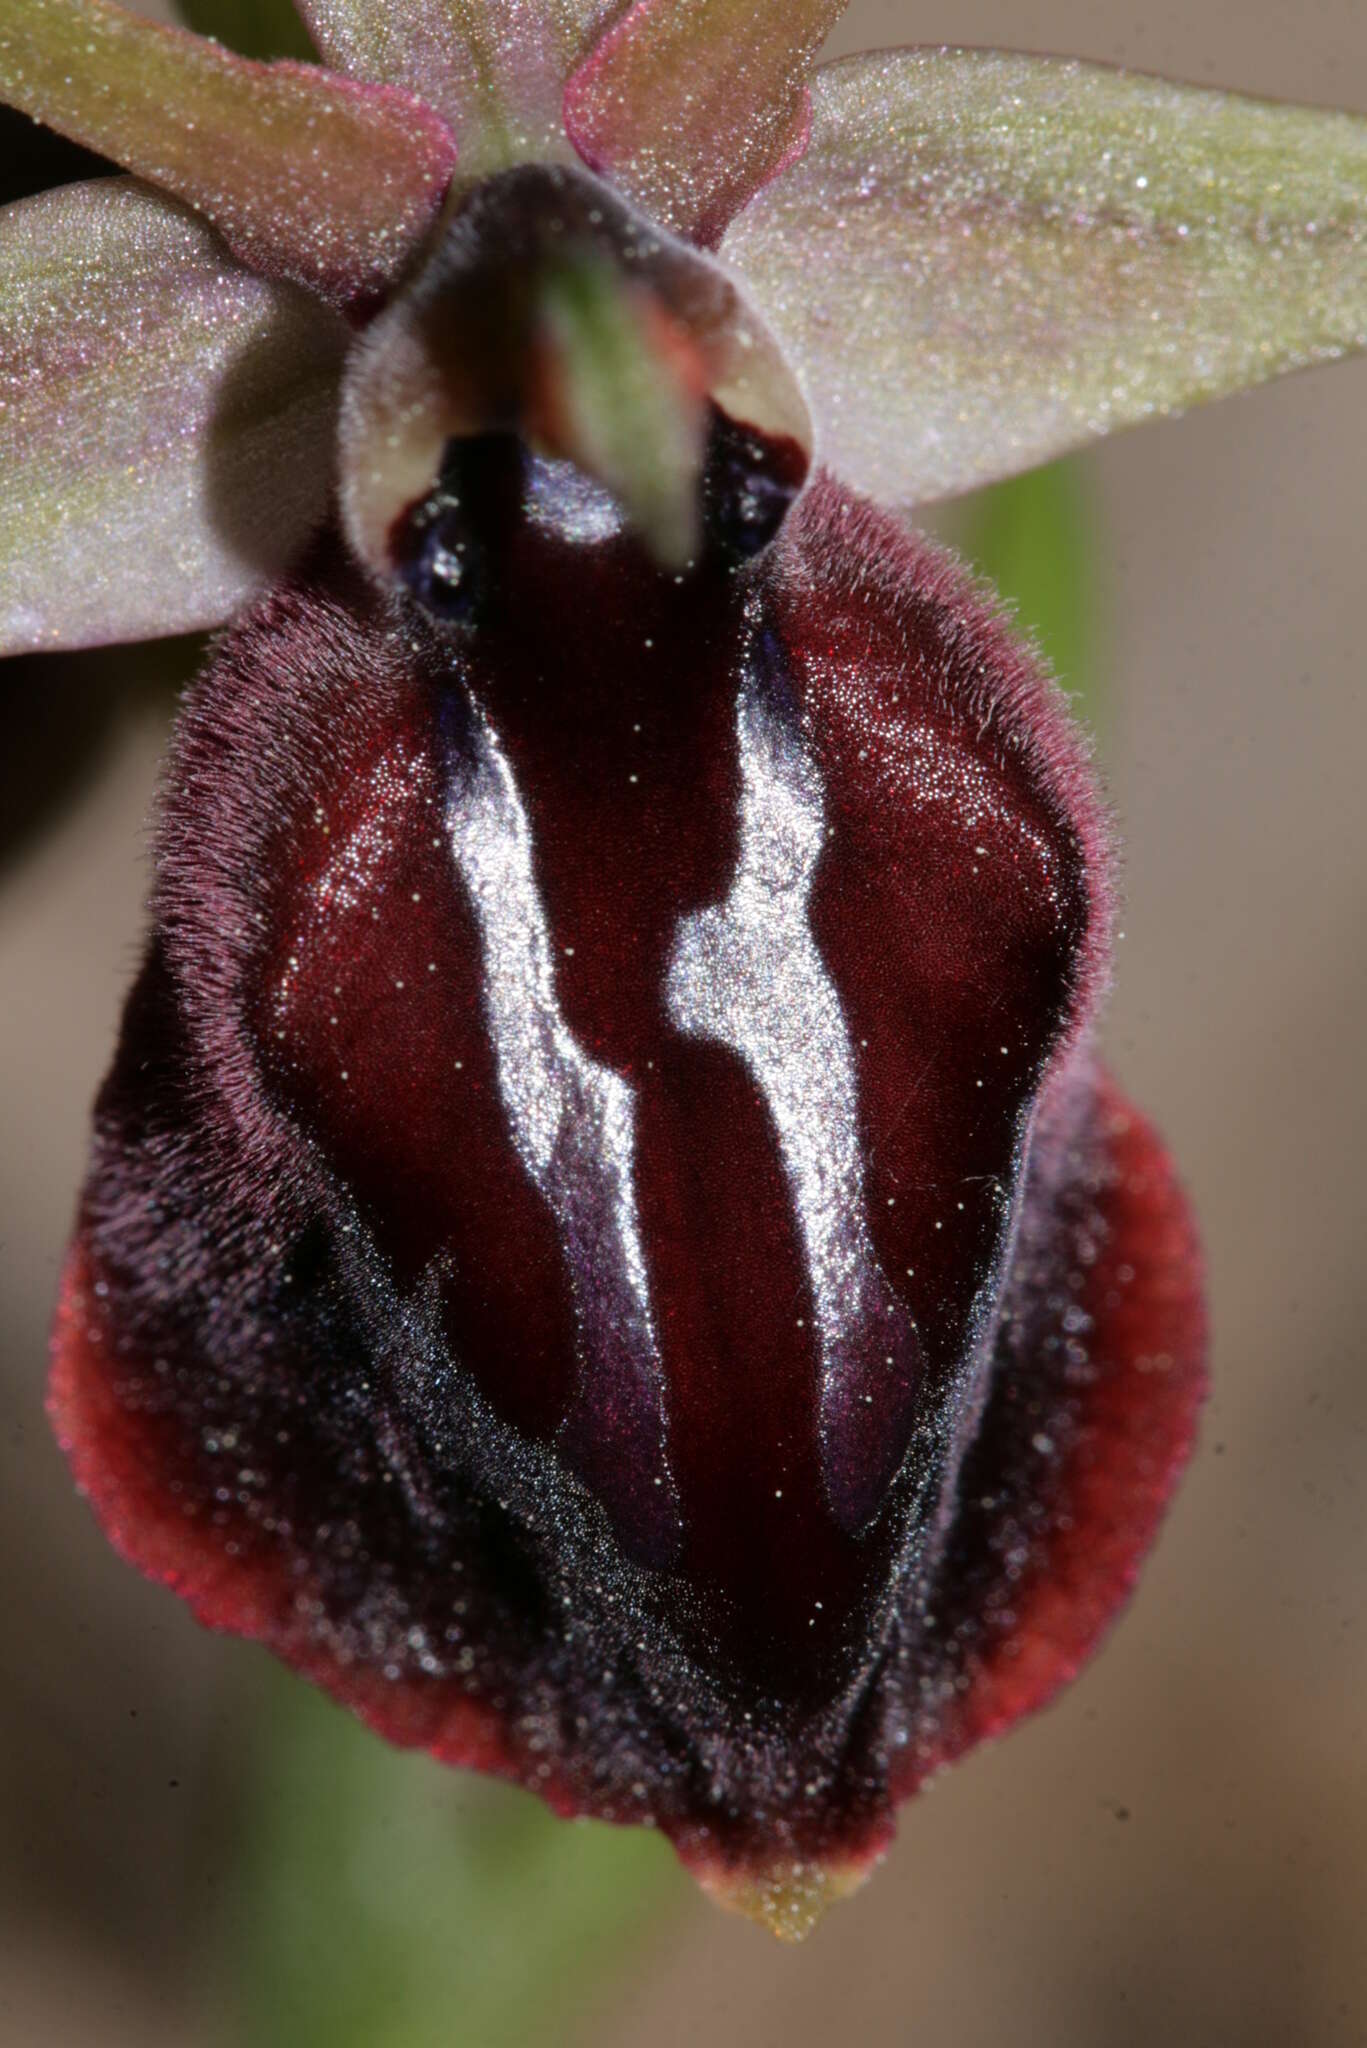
(1136, 1428)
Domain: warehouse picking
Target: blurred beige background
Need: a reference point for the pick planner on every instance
(1178, 1851)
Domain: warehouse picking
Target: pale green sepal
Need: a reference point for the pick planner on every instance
(166, 420)
(983, 260)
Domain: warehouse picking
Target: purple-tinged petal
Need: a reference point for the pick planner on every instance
(689, 105)
(320, 180)
(496, 69)
(166, 419)
(984, 259)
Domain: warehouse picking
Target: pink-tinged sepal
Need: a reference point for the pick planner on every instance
(318, 180)
(605, 1246)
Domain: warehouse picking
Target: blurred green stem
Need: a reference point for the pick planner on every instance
(1034, 539)
(254, 28)
(384, 1901)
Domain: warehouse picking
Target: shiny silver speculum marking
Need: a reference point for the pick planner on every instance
(747, 972)
(573, 1123)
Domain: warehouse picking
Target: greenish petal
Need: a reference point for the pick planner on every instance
(984, 260)
(166, 419)
(317, 179)
(688, 105)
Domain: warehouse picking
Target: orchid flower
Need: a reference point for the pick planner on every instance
(608, 1245)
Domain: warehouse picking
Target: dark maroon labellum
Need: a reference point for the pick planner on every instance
(606, 1244)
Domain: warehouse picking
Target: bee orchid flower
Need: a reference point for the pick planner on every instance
(608, 1245)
